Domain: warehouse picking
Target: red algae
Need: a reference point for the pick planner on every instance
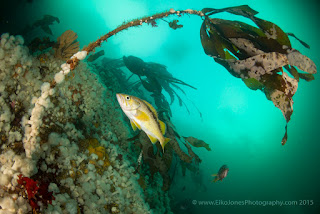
(36, 192)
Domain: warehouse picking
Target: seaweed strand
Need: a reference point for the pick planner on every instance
(137, 22)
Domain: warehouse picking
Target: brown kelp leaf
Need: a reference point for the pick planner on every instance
(197, 143)
(253, 84)
(285, 137)
(192, 154)
(147, 85)
(152, 22)
(241, 39)
(95, 56)
(192, 167)
(256, 66)
(293, 71)
(249, 41)
(135, 65)
(214, 42)
(44, 23)
(242, 10)
(282, 99)
(307, 77)
(46, 29)
(174, 24)
(172, 134)
(301, 61)
(302, 42)
(66, 45)
(240, 34)
(278, 88)
(157, 163)
(252, 41)
(181, 103)
(151, 84)
(272, 31)
(211, 42)
(280, 91)
(246, 46)
(235, 29)
(208, 10)
(257, 55)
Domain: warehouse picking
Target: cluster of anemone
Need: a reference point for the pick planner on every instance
(63, 143)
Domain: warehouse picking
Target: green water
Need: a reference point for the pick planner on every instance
(243, 128)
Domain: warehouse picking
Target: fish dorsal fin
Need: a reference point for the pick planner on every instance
(142, 116)
(151, 108)
(134, 125)
(152, 139)
(162, 127)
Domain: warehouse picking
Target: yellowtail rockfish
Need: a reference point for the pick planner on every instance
(143, 116)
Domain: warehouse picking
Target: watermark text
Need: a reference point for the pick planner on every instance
(280, 203)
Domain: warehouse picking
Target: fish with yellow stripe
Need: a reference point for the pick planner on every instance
(143, 116)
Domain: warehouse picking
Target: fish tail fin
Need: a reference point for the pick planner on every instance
(215, 179)
(166, 140)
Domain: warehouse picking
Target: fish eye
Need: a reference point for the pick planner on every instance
(127, 98)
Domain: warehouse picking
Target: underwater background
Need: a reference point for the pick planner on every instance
(243, 128)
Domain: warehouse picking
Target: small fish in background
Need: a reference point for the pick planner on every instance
(95, 56)
(143, 116)
(223, 172)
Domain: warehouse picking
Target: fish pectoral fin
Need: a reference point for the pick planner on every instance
(214, 175)
(152, 139)
(134, 125)
(138, 126)
(162, 127)
(142, 116)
